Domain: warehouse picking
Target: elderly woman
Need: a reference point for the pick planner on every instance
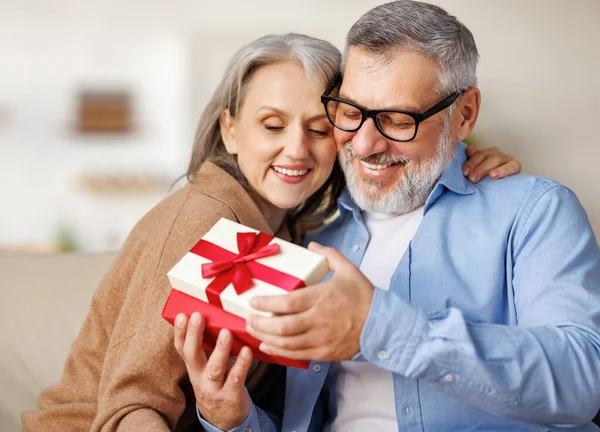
(265, 157)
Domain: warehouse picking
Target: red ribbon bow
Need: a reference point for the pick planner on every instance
(239, 269)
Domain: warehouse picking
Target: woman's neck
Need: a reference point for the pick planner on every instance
(273, 215)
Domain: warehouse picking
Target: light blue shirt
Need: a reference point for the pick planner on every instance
(492, 319)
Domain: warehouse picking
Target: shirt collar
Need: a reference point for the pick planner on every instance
(452, 179)
(346, 204)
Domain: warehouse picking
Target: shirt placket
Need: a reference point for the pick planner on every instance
(406, 390)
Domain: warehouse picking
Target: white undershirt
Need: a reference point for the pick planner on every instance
(364, 392)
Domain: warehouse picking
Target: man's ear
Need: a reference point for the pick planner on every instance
(468, 110)
(227, 123)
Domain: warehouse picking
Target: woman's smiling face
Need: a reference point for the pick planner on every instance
(281, 136)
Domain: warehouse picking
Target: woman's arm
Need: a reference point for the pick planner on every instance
(142, 375)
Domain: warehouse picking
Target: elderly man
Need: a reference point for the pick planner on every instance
(454, 306)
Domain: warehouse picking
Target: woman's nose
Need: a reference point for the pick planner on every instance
(297, 145)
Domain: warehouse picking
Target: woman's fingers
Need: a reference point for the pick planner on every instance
(221, 396)
(237, 375)
(490, 161)
(193, 354)
(180, 330)
(475, 158)
(216, 368)
(509, 168)
(484, 168)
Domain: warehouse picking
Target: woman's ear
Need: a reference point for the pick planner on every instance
(227, 123)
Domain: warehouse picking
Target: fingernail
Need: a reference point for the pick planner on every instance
(223, 336)
(254, 302)
(180, 320)
(263, 347)
(245, 353)
(195, 319)
(494, 174)
(473, 178)
(249, 329)
(465, 172)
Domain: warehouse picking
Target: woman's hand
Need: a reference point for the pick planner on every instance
(489, 161)
(220, 394)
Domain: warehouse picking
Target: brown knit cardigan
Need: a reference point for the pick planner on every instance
(123, 372)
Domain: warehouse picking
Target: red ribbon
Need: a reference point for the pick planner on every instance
(239, 269)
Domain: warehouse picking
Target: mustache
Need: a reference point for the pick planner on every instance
(378, 158)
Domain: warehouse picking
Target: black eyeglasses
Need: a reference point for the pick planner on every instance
(393, 124)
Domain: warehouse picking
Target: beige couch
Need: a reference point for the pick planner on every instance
(43, 302)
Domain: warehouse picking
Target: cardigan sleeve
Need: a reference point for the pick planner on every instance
(141, 383)
(123, 372)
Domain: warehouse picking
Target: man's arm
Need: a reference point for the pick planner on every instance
(546, 369)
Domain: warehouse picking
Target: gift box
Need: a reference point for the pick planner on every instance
(231, 264)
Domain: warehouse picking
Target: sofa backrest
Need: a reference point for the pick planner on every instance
(43, 302)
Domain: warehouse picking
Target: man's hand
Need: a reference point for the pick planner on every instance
(320, 322)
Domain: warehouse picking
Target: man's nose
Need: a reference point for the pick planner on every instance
(368, 140)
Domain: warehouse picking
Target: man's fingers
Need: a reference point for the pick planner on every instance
(509, 168)
(238, 372)
(193, 354)
(217, 362)
(297, 342)
(284, 325)
(335, 259)
(307, 354)
(293, 302)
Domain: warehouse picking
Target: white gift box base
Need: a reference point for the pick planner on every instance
(186, 275)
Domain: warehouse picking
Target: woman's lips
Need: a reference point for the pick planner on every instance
(291, 174)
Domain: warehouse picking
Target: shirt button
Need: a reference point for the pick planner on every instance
(317, 368)
(248, 430)
(356, 247)
(448, 378)
(382, 355)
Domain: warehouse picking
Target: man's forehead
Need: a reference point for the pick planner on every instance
(406, 79)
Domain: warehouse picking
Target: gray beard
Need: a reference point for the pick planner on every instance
(411, 192)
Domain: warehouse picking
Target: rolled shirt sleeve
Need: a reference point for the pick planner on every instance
(536, 370)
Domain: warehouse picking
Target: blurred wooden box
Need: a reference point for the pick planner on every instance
(104, 112)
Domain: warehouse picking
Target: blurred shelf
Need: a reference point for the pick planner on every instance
(123, 184)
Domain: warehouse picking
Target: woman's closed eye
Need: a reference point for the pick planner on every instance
(273, 128)
(320, 133)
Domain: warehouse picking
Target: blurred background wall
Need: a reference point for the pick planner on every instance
(62, 188)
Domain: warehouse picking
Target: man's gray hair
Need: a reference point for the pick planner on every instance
(422, 27)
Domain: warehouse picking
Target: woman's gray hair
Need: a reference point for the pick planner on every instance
(321, 62)
(421, 27)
